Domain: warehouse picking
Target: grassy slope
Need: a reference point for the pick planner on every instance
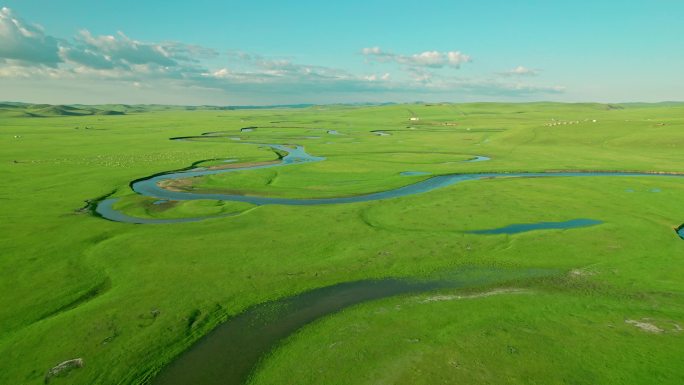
(78, 286)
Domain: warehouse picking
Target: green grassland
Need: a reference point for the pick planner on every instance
(129, 298)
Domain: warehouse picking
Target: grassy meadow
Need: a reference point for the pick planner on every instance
(129, 298)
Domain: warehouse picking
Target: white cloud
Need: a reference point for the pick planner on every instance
(261, 69)
(429, 59)
(121, 52)
(125, 51)
(25, 49)
(377, 54)
(371, 51)
(20, 70)
(222, 73)
(424, 59)
(420, 75)
(25, 42)
(521, 71)
(375, 77)
(28, 56)
(456, 58)
(86, 57)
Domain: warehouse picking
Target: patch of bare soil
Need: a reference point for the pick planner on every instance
(63, 368)
(645, 326)
(490, 293)
(580, 273)
(648, 325)
(183, 184)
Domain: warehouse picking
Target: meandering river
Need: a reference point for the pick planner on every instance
(150, 186)
(228, 354)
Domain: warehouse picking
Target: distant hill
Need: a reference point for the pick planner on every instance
(17, 109)
(29, 110)
(58, 111)
(12, 109)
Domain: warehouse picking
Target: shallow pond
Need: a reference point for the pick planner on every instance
(524, 227)
(478, 158)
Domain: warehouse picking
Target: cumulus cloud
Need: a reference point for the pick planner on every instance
(427, 59)
(375, 77)
(22, 70)
(377, 54)
(456, 58)
(25, 42)
(28, 54)
(86, 57)
(261, 69)
(124, 51)
(25, 48)
(521, 71)
(109, 52)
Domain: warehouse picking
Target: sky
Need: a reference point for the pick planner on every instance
(260, 52)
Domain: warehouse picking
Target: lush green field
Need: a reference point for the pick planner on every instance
(129, 298)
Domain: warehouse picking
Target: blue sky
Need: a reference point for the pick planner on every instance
(274, 52)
